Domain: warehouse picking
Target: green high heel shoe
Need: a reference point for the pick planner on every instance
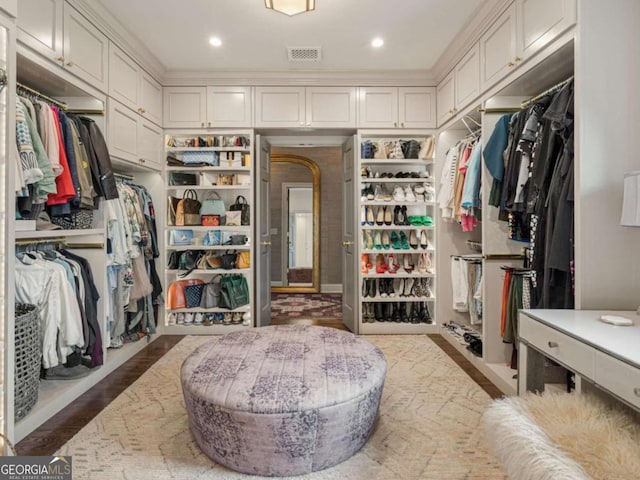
(395, 240)
(404, 243)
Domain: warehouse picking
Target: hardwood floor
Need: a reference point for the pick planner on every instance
(69, 421)
(63, 426)
(322, 323)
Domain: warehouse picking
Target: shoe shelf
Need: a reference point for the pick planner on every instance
(207, 187)
(405, 187)
(226, 169)
(396, 161)
(221, 168)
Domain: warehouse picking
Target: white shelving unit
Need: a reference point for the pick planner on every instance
(384, 305)
(206, 181)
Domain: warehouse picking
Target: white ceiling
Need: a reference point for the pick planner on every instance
(416, 32)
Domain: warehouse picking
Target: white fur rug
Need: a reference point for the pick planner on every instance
(563, 437)
(429, 426)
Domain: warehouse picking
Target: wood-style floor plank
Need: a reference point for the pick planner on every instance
(63, 426)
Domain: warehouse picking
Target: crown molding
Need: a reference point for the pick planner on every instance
(469, 34)
(355, 78)
(109, 25)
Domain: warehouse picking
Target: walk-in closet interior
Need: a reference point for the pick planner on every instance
(136, 197)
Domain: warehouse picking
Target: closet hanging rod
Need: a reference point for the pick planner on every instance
(86, 111)
(499, 110)
(503, 256)
(553, 89)
(124, 176)
(30, 90)
(96, 245)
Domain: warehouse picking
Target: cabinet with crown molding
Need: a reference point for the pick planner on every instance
(525, 28)
(207, 107)
(61, 34)
(397, 107)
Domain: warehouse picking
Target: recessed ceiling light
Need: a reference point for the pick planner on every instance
(377, 42)
(215, 41)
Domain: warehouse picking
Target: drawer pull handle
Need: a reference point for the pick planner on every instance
(553, 344)
(636, 391)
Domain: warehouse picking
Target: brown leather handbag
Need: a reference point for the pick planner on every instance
(188, 209)
(176, 297)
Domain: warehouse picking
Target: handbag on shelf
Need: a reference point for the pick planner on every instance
(180, 237)
(243, 260)
(242, 206)
(234, 291)
(172, 206)
(188, 209)
(176, 293)
(212, 238)
(212, 204)
(172, 263)
(211, 293)
(233, 218)
(188, 262)
(182, 178)
(228, 260)
(193, 295)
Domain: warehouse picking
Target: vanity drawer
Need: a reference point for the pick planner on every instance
(558, 346)
(618, 377)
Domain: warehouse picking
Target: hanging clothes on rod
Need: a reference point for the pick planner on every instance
(64, 162)
(459, 193)
(61, 285)
(530, 158)
(131, 272)
(467, 285)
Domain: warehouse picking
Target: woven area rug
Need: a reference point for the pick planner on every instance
(429, 426)
(306, 305)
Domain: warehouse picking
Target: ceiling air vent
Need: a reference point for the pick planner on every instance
(304, 54)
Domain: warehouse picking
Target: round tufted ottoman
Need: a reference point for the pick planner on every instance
(283, 400)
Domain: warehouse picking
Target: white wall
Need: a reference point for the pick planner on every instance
(607, 145)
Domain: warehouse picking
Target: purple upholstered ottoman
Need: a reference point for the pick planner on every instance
(283, 400)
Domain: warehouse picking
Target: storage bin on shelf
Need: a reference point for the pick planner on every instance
(28, 355)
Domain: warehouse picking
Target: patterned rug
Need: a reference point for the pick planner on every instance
(429, 426)
(306, 305)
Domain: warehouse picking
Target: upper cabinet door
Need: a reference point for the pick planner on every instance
(150, 98)
(446, 98)
(150, 144)
(417, 107)
(229, 107)
(184, 107)
(124, 78)
(86, 50)
(280, 107)
(498, 49)
(467, 78)
(331, 107)
(123, 131)
(40, 26)
(378, 107)
(541, 21)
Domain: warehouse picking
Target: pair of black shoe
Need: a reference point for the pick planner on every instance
(400, 215)
(369, 287)
(407, 175)
(399, 312)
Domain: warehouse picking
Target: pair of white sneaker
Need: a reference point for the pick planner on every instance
(405, 194)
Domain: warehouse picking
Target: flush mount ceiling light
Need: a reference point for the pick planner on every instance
(377, 42)
(290, 7)
(215, 41)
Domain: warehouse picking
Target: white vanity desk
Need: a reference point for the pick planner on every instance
(605, 355)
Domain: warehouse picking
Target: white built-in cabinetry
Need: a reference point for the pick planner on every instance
(132, 86)
(56, 30)
(207, 107)
(396, 280)
(392, 107)
(459, 87)
(316, 107)
(132, 138)
(522, 30)
(230, 177)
